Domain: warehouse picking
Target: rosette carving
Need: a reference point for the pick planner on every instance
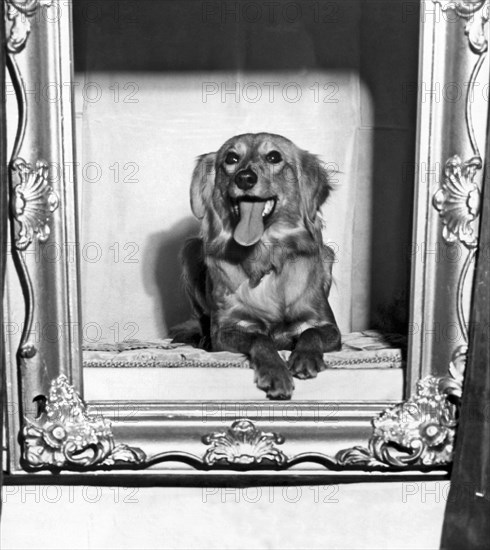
(458, 201)
(65, 436)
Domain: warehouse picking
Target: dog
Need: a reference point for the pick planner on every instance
(259, 275)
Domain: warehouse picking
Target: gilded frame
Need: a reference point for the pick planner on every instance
(53, 430)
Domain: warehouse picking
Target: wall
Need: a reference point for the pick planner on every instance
(368, 516)
(159, 84)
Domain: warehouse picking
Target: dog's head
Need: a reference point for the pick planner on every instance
(256, 182)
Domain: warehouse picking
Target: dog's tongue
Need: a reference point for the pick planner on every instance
(250, 227)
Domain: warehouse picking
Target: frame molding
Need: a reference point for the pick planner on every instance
(61, 433)
(449, 179)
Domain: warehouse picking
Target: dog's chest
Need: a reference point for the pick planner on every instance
(270, 299)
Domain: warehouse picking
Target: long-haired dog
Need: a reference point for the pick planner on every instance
(259, 276)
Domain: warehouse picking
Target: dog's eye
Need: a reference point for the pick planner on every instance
(232, 158)
(273, 157)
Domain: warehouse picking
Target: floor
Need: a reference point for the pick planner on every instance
(356, 516)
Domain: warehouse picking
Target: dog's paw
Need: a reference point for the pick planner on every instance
(276, 381)
(306, 364)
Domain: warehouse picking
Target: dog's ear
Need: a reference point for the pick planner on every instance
(202, 184)
(314, 184)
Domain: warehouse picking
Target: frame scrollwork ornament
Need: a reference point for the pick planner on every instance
(19, 12)
(477, 17)
(244, 444)
(65, 436)
(418, 432)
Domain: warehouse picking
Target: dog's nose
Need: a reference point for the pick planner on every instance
(245, 179)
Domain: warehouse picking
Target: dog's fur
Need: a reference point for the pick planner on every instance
(272, 294)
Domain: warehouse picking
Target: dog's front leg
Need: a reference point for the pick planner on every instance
(271, 372)
(306, 361)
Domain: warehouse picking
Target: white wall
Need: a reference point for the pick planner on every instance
(367, 516)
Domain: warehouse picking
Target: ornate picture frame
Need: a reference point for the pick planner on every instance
(53, 430)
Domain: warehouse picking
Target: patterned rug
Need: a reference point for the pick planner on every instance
(367, 349)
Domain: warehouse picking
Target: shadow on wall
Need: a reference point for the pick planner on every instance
(163, 274)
